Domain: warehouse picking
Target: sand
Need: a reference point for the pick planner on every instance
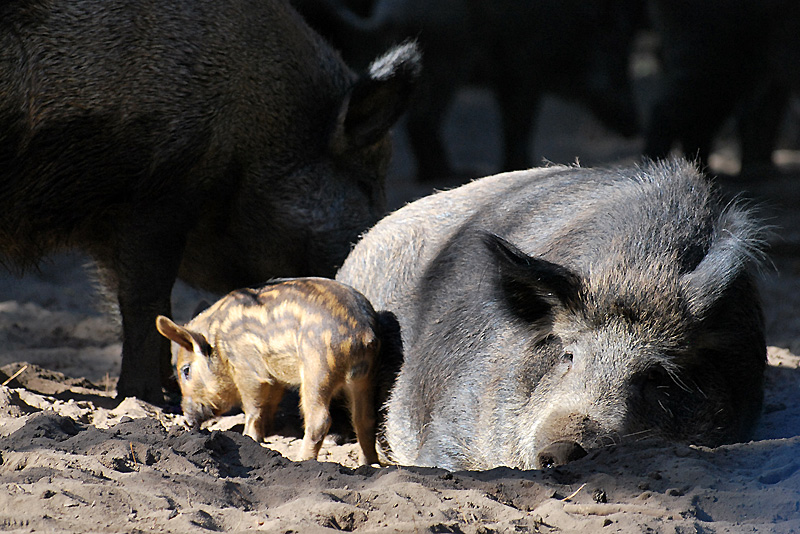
(72, 459)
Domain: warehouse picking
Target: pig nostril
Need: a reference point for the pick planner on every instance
(545, 461)
(559, 453)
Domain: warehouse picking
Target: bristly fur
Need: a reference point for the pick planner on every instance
(610, 302)
(404, 60)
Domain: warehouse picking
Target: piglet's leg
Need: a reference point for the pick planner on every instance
(360, 393)
(259, 406)
(315, 405)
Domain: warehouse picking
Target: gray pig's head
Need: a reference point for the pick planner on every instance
(631, 352)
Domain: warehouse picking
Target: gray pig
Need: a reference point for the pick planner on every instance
(221, 142)
(551, 311)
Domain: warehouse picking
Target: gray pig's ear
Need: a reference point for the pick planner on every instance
(185, 338)
(725, 262)
(733, 249)
(377, 100)
(533, 285)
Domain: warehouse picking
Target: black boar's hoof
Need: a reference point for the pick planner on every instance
(559, 453)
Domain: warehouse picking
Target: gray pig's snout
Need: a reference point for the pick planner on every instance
(559, 453)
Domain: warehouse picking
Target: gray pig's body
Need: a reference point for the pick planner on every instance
(222, 142)
(620, 305)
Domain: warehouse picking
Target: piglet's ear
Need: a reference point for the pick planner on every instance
(533, 286)
(183, 337)
(377, 100)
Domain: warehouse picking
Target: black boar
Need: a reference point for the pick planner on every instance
(722, 60)
(521, 50)
(550, 311)
(222, 142)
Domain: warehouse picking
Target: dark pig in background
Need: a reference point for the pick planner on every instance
(547, 312)
(723, 60)
(521, 50)
(224, 143)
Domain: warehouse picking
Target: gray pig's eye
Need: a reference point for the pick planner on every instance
(656, 384)
(186, 371)
(658, 377)
(567, 357)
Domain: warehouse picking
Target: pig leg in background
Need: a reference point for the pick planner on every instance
(688, 116)
(425, 120)
(360, 394)
(142, 268)
(760, 120)
(518, 109)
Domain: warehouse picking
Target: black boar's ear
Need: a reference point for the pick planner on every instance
(533, 285)
(378, 99)
(191, 341)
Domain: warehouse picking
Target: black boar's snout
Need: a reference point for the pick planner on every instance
(559, 453)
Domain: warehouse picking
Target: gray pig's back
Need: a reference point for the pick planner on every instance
(567, 215)
(396, 251)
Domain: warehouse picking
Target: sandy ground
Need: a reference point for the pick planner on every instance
(74, 460)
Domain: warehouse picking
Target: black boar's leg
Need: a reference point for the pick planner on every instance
(425, 120)
(518, 107)
(145, 268)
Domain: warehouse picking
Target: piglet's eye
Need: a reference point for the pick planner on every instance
(567, 357)
(186, 371)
